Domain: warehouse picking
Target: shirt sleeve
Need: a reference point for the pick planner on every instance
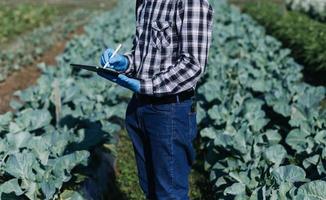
(131, 54)
(194, 25)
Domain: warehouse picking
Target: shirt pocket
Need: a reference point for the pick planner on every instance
(161, 34)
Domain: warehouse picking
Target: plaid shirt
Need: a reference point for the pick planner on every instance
(171, 45)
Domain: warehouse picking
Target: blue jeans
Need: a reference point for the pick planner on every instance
(162, 137)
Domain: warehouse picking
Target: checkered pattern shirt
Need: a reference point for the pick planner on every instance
(171, 45)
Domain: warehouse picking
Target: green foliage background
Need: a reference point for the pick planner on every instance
(262, 128)
(16, 20)
(304, 36)
(314, 8)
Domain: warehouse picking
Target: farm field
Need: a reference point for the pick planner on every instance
(299, 31)
(19, 57)
(18, 18)
(261, 125)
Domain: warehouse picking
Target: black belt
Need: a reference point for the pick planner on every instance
(182, 96)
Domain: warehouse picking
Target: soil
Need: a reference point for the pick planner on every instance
(28, 75)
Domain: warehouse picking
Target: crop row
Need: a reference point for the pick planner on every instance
(315, 8)
(60, 141)
(17, 19)
(30, 47)
(264, 132)
(304, 36)
(263, 135)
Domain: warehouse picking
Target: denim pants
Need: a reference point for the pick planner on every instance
(162, 137)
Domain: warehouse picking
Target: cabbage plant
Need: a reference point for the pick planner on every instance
(59, 142)
(262, 127)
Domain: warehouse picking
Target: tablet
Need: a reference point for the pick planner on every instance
(95, 68)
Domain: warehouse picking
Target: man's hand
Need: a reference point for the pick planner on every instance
(123, 80)
(118, 62)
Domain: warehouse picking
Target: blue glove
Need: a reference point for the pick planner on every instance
(118, 62)
(123, 80)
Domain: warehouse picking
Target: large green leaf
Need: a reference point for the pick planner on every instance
(313, 160)
(5, 120)
(71, 195)
(255, 115)
(314, 190)
(272, 136)
(320, 137)
(297, 139)
(235, 189)
(209, 133)
(289, 173)
(275, 153)
(18, 140)
(48, 189)
(33, 119)
(11, 186)
(20, 165)
(311, 96)
(67, 163)
(219, 114)
(32, 190)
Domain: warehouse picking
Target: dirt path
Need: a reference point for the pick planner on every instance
(28, 75)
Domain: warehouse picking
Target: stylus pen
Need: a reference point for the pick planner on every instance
(114, 53)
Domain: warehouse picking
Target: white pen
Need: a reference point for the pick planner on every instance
(114, 53)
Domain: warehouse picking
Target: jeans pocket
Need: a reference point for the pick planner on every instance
(162, 108)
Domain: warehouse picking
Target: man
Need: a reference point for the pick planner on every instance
(168, 57)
